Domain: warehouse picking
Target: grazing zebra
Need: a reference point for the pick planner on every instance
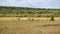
(18, 18)
(31, 19)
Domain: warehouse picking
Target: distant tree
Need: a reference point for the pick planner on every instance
(52, 18)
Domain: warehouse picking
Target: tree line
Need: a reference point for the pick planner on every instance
(6, 11)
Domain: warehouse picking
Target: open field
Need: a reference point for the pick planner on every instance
(11, 25)
(27, 18)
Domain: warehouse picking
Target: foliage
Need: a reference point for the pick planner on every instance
(6, 11)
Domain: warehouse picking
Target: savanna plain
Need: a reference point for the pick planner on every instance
(11, 25)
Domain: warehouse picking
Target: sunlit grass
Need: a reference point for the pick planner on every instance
(28, 27)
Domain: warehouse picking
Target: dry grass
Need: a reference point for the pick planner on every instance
(10, 25)
(26, 18)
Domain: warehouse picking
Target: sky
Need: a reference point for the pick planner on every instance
(31, 3)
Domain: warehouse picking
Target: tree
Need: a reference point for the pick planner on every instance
(52, 18)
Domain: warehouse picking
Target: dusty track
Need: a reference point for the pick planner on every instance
(47, 25)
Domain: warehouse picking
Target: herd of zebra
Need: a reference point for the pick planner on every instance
(32, 19)
(45, 25)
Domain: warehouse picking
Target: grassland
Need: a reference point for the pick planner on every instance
(10, 25)
(16, 20)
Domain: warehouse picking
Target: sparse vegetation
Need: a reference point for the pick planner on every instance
(24, 20)
(28, 27)
(28, 12)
